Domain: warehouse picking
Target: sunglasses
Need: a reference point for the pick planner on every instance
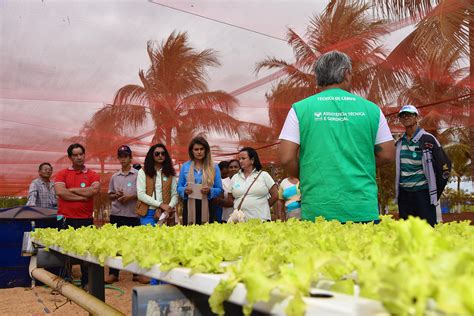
(405, 114)
(159, 153)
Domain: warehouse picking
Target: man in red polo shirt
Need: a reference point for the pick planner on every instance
(76, 187)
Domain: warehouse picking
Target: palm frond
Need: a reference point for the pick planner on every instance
(280, 99)
(257, 133)
(212, 100)
(294, 74)
(449, 22)
(345, 27)
(214, 121)
(465, 82)
(402, 8)
(177, 68)
(121, 116)
(304, 54)
(395, 73)
(131, 94)
(271, 63)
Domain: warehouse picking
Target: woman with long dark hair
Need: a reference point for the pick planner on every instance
(199, 181)
(263, 193)
(156, 185)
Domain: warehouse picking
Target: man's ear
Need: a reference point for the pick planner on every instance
(348, 75)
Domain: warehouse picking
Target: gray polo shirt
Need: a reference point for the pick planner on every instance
(126, 183)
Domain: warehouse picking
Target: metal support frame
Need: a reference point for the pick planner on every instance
(96, 281)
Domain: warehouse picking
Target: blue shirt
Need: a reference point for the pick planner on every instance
(216, 189)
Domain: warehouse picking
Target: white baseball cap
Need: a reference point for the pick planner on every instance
(409, 109)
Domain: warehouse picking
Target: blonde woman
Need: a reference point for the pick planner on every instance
(199, 181)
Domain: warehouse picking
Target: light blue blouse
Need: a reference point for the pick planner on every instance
(216, 189)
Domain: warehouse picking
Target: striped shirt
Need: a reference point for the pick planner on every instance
(412, 177)
(291, 195)
(42, 194)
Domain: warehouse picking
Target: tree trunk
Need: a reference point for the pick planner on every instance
(168, 131)
(102, 166)
(169, 143)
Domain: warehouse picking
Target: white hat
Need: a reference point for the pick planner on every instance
(409, 109)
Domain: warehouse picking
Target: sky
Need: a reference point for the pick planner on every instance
(61, 61)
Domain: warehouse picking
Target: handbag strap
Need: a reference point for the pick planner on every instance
(248, 189)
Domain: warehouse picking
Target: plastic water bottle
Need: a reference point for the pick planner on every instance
(32, 226)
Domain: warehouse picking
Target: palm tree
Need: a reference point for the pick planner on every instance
(100, 139)
(458, 151)
(447, 23)
(174, 95)
(445, 20)
(344, 26)
(440, 78)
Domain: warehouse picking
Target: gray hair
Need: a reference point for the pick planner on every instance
(331, 68)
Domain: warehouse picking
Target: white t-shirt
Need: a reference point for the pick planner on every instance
(226, 211)
(255, 204)
(291, 129)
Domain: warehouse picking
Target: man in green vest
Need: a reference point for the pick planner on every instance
(332, 141)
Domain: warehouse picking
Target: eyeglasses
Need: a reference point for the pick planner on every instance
(159, 153)
(406, 114)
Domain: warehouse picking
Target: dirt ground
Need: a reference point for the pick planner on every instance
(41, 301)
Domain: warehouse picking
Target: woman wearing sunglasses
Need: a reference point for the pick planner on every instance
(156, 185)
(199, 181)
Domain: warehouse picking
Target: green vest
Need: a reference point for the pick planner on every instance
(337, 159)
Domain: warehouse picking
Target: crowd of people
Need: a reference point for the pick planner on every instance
(330, 146)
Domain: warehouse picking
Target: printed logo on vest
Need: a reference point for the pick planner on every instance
(318, 116)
